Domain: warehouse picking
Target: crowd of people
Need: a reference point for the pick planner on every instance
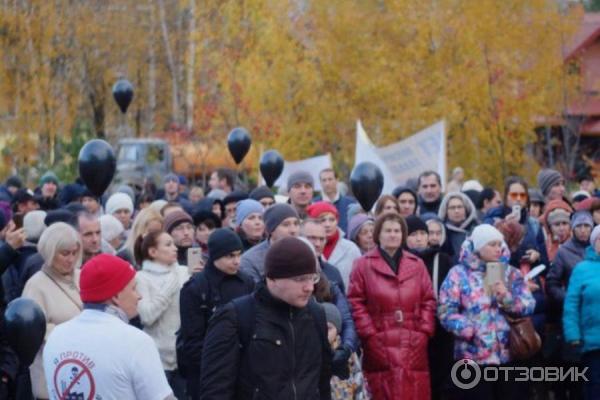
(171, 293)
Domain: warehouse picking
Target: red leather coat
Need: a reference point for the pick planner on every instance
(394, 317)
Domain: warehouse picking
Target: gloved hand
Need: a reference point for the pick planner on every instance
(339, 363)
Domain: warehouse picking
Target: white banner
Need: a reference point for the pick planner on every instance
(366, 151)
(313, 165)
(425, 150)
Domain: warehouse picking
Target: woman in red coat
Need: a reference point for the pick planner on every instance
(393, 308)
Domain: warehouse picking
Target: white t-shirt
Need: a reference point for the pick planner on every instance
(97, 356)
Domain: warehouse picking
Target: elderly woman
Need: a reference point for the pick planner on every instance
(393, 307)
(475, 312)
(120, 205)
(580, 318)
(249, 223)
(55, 288)
(338, 251)
(112, 232)
(557, 226)
(360, 231)
(460, 217)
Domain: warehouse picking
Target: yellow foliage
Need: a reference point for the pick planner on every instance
(296, 73)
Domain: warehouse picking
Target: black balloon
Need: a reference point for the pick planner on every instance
(25, 325)
(123, 94)
(366, 181)
(97, 165)
(271, 166)
(239, 142)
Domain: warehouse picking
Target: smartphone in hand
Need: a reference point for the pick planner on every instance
(516, 211)
(494, 273)
(18, 220)
(194, 259)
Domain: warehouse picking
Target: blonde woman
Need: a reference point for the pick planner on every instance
(147, 220)
(55, 288)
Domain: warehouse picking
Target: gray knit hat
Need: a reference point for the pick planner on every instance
(547, 178)
(332, 314)
(260, 193)
(170, 177)
(275, 215)
(300, 177)
(536, 196)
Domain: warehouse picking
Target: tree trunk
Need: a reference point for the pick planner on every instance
(170, 62)
(191, 66)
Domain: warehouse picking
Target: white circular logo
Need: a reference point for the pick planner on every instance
(465, 374)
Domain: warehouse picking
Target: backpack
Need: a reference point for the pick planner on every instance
(208, 310)
(246, 316)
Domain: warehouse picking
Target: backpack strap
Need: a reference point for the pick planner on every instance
(245, 311)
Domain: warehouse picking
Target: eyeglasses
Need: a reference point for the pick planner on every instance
(517, 196)
(311, 278)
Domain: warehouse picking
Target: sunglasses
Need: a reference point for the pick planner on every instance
(517, 196)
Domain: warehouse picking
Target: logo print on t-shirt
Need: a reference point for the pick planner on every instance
(73, 380)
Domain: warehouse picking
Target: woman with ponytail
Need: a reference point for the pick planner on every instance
(159, 283)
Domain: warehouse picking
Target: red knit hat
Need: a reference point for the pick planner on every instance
(103, 277)
(316, 209)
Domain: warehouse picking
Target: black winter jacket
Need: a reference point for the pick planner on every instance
(9, 363)
(285, 358)
(15, 276)
(198, 299)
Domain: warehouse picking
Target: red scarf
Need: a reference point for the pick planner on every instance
(330, 245)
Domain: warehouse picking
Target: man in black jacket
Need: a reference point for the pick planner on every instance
(219, 283)
(284, 354)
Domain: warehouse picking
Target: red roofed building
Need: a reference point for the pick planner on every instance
(584, 51)
(572, 142)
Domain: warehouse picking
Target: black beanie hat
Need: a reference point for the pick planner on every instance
(60, 215)
(221, 242)
(14, 181)
(260, 193)
(235, 196)
(414, 223)
(276, 214)
(202, 216)
(289, 257)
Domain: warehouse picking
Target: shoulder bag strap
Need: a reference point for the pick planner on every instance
(79, 306)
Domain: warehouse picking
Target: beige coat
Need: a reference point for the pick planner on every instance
(59, 306)
(159, 287)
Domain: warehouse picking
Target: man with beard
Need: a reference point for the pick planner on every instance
(180, 226)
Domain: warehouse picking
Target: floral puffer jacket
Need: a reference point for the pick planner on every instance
(475, 318)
